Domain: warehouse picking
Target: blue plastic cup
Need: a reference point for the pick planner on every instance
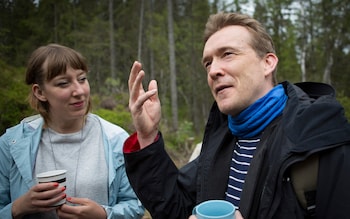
(214, 209)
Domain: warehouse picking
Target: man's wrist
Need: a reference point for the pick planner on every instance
(144, 142)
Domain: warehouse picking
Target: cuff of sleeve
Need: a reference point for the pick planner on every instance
(107, 210)
(131, 144)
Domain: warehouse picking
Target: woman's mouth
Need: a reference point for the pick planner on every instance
(78, 104)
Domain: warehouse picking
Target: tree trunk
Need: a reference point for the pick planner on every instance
(303, 44)
(327, 70)
(172, 62)
(111, 38)
(139, 50)
(151, 52)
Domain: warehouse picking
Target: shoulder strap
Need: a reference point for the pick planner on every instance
(304, 179)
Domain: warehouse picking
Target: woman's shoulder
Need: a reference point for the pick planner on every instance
(30, 123)
(27, 127)
(110, 129)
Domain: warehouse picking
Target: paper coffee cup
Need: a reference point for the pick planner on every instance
(58, 176)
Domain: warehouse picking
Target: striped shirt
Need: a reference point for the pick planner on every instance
(241, 157)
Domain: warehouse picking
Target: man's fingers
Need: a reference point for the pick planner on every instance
(135, 69)
(136, 89)
(142, 99)
(154, 88)
(152, 85)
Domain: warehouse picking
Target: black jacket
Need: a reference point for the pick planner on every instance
(312, 122)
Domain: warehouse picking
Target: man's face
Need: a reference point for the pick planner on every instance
(236, 75)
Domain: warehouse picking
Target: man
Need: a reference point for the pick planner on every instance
(257, 132)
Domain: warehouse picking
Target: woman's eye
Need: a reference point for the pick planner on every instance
(82, 79)
(62, 84)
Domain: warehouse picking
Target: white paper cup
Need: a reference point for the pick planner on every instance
(58, 176)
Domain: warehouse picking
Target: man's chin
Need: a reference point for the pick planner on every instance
(224, 109)
(228, 110)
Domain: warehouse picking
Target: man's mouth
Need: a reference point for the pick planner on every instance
(220, 88)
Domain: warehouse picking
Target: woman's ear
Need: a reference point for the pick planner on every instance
(38, 93)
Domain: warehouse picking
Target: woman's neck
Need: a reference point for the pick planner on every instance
(66, 126)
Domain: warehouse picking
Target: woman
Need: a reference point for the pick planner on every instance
(64, 136)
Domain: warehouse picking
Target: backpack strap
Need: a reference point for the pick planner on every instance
(304, 179)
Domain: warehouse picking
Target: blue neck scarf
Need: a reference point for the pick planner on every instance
(254, 119)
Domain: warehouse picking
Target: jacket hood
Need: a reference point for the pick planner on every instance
(313, 118)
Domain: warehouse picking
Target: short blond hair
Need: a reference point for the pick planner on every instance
(261, 41)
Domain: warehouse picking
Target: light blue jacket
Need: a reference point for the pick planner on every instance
(18, 149)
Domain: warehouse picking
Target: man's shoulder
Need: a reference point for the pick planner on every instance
(313, 118)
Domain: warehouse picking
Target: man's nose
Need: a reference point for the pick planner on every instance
(215, 68)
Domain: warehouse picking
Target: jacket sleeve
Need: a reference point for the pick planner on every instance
(123, 202)
(5, 200)
(333, 193)
(128, 205)
(165, 191)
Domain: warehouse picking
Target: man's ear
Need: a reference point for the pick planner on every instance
(271, 61)
(38, 93)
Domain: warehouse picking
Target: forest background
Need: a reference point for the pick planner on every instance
(312, 39)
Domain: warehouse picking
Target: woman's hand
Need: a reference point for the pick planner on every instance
(144, 106)
(84, 209)
(39, 198)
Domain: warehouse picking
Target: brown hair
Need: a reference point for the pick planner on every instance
(47, 62)
(261, 41)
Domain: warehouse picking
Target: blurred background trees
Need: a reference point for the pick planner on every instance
(312, 39)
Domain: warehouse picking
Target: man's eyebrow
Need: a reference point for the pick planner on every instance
(219, 51)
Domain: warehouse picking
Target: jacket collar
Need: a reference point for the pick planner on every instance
(24, 145)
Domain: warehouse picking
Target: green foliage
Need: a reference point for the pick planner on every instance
(118, 116)
(113, 108)
(181, 139)
(345, 101)
(13, 93)
(180, 143)
(113, 86)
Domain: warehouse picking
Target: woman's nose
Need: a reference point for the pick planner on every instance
(77, 89)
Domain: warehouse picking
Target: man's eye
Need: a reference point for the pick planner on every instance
(207, 64)
(228, 53)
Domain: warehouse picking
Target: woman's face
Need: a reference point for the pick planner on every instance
(67, 95)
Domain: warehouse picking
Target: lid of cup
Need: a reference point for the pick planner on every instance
(51, 173)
